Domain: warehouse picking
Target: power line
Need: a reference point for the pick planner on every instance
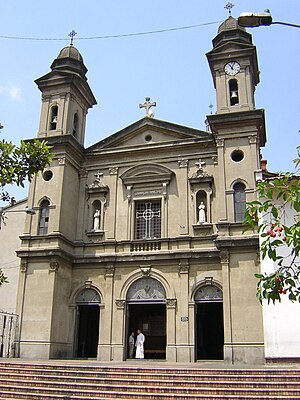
(113, 36)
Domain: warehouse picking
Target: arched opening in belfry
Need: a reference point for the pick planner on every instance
(233, 92)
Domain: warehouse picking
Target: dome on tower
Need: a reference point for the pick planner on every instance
(229, 24)
(70, 52)
(231, 31)
(69, 59)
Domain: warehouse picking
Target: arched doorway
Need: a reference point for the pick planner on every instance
(88, 312)
(209, 328)
(146, 310)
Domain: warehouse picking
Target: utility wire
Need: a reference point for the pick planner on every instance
(115, 36)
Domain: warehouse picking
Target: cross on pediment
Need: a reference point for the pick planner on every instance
(147, 105)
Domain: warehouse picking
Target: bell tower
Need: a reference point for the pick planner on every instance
(234, 67)
(66, 96)
(237, 126)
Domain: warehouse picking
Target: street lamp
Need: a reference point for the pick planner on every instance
(252, 20)
(27, 210)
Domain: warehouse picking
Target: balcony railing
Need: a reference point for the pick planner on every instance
(149, 245)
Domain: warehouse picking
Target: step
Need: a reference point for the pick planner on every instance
(69, 381)
(88, 390)
(18, 395)
(135, 372)
(203, 382)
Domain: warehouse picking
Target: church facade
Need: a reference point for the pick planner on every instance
(143, 230)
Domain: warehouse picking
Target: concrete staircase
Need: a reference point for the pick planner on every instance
(67, 381)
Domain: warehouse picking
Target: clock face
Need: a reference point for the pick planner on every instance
(232, 68)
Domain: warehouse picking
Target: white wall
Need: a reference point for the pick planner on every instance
(282, 320)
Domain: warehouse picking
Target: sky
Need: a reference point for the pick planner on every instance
(170, 67)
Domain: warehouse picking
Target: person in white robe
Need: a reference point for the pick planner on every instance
(139, 344)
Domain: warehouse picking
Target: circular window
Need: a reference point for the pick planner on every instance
(47, 175)
(148, 138)
(237, 155)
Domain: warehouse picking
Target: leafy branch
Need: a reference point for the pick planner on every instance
(277, 217)
(18, 164)
(21, 163)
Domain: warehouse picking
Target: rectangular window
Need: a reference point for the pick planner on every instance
(239, 205)
(44, 220)
(148, 219)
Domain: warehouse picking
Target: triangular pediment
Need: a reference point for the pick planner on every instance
(147, 131)
(232, 46)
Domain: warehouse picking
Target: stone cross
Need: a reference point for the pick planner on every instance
(72, 34)
(147, 105)
(98, 176)
(200, 164)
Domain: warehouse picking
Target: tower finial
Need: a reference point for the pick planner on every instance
(229, 6)
(72, 34)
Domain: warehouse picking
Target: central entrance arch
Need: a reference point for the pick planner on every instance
(146, 310)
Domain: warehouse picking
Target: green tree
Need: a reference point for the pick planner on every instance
(21, 163)
(279, 196)
(18, 164)
(3, 278)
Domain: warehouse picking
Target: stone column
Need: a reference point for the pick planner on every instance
(222, 205)
(182, 326)
(83, 219)
(183, 210)
(171, 331)
(119, 346)
(227, 312)
(111, 226)
(191, 332)
(105, 334)
(20, 303)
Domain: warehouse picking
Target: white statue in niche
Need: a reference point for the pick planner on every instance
(97, 215)
(202, 215)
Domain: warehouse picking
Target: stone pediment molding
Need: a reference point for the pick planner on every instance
(147, 173)
(168, 132)
(200, 177)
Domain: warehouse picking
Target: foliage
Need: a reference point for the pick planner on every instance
(18, 164)
(21, 163)
(280, 197)
(3, 278)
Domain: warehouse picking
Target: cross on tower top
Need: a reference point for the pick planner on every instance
(229, 7)
(72, 34)
(147, 105)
